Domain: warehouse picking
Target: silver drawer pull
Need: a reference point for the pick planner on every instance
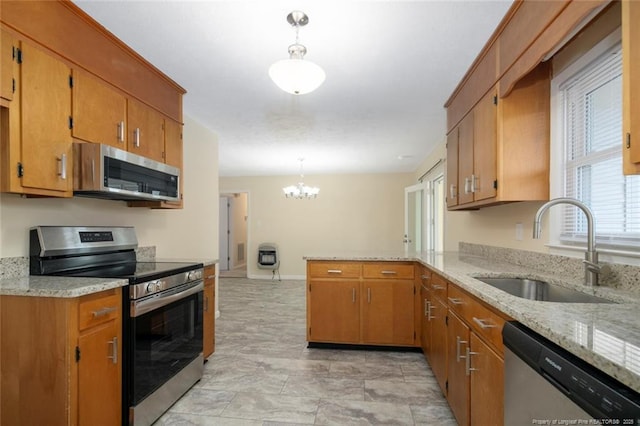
(334, 271)
(437, 287)
(483, 323)
(136, 137)
(121, 131)
(468, 368)
(458, 343)
(455, 301)
(114, 350)
(425, 277)
(388, 272)
(104, 311)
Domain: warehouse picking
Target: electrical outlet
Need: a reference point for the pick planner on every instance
(519, 231)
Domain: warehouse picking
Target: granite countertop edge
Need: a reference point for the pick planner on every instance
(561, 323)
(58, 287)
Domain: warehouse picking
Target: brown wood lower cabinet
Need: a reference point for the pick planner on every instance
(371, 303)
(457, 374)
(333, 311)
(209, 308)
(487, 384)
(60, 360)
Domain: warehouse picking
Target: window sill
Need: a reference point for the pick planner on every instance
(604, 254)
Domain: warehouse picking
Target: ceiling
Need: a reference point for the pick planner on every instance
(390, 66)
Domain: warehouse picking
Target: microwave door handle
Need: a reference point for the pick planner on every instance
(142, 307)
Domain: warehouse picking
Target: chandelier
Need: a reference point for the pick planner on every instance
(295, 75)
(300, 190)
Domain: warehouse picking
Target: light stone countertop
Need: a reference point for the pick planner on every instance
(604, 335)
(63, 287)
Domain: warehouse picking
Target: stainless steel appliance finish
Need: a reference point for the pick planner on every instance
(540, 290)
(162, 307)
(545, 384)
(102, 171)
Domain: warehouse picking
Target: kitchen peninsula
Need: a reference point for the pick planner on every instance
(588, 330)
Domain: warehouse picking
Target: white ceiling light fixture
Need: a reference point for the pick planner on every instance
(300, 190)
(296, 75)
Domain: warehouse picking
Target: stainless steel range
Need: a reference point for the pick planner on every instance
(162, 309)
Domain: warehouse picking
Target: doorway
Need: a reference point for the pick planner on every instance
(424, 212)
(233, 234)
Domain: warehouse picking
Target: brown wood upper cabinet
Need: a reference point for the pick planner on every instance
(503, 147)
(36, 142)
(99, 111)
(631, 87)
(7, 59)
(145, 131)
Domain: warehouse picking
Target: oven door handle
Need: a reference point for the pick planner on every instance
(142, 307)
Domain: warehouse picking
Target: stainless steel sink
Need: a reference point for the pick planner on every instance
(540, 290)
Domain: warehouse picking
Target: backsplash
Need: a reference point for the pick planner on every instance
(622, 277)
(16, 267)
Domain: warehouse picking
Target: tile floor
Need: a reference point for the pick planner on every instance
(262, 373)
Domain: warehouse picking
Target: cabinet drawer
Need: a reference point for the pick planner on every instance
(482, 320)
(334, 269)
(388, 270)
(439, 287)
(97, 309)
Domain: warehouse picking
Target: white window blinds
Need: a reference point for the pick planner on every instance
(592, 129)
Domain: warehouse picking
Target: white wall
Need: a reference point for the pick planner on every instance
(188, 233)
(361, 213)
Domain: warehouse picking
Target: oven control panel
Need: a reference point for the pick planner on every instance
(159, 285)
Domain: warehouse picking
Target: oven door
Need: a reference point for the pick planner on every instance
(165, 336)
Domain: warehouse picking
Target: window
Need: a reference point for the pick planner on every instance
(588, 108)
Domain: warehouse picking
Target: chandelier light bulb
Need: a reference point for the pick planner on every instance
(300, 190)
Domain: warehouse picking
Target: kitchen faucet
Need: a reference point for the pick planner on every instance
(591, 267)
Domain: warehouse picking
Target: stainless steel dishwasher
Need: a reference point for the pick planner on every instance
(545, 384)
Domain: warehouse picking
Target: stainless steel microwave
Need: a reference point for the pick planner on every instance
(102, 171)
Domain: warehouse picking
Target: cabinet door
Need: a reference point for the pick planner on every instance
(145, 130)
(209, 308)
(484, 147)
(458, 391)
(487, 384)
(7, 56)
(173, 151)
(99, 376)
(631, 86)
(99, 111)
(452, 168)
(438, 359)
(465, 159)
(45, 111)
(387, 312)
(333, 311)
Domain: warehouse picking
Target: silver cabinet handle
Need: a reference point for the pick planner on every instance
(353, 295)
(369, 295)
(114, 350)
(452, 191)
(473, 183)
(136, 137)
(334, 271)
(121, 131)
(437, 287)
(458, 343)
(63, 166)
(389, 272)
(467, 366)
(429, 316)
(467, 186)
(483, 323)
(424, 277)
(455, 301)
(104, 311)
(93, 171)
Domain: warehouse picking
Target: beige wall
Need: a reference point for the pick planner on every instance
(362, 213)
(188, 233)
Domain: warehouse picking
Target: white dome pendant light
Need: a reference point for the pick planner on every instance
(296, 75)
